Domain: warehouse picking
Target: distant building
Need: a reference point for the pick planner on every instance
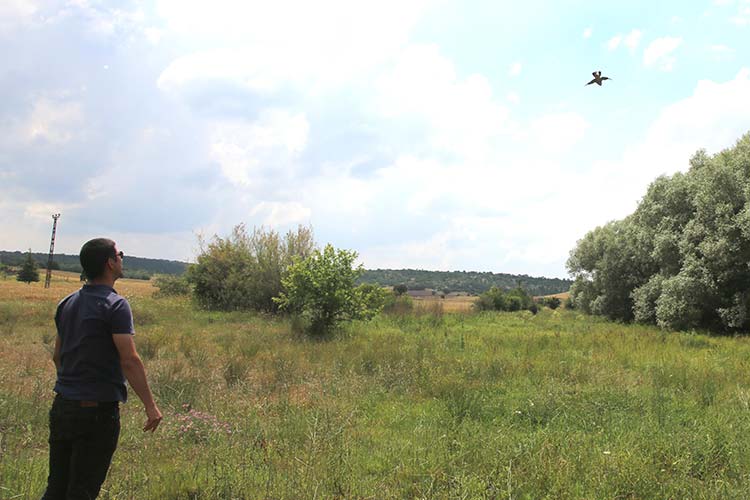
(416, 294)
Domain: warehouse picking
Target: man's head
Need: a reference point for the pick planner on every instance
(100, 259)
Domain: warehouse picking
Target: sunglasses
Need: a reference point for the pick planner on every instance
(119, 254)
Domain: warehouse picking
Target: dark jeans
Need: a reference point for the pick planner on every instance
(81, 443)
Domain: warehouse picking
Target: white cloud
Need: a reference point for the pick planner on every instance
(515, 69)
(250, 153)
(659, 53)
(632, 39)
(43, 211)
(14, 13)
(587, 33)
(461, 114)
(559, 132)
(722, 52)
(331, 39)
(713, 117)
(614, 42)
(52, 120)
(742, 17)
(279, 214)
(513, 97)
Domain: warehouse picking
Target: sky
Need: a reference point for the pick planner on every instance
(428, 134)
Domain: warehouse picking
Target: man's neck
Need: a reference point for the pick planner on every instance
(103, 280)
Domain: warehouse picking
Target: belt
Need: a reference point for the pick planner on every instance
(87, 404)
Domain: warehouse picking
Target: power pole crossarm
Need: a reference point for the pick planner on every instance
(51, 250)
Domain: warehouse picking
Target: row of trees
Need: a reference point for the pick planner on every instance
(464, 281)
(682, 259)
(136, 268)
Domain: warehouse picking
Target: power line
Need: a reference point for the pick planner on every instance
(51, 250)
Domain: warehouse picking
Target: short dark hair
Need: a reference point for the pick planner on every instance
(94, 255)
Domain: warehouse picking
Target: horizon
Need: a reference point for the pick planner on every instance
(434, 135)
(366, 268)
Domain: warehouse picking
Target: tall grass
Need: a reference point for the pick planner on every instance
(421, 404)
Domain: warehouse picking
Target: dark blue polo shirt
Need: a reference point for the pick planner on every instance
(90, 363)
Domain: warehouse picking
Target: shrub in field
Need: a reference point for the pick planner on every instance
(681, 259)
(321, 288)
(170, 285)
(552, 302)
(492, 300)
(398, 304)
(243, 271)
(496, 299)
(28, 271)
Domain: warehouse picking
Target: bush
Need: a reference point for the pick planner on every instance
(552, 302)
(398, 305)
(495, 299)
(170, 285)
(321, 288)
(243, 271)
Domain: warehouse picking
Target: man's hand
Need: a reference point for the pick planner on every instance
(132, 367)
(154, 417)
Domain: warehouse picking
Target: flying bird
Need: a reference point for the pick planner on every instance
(598, 78)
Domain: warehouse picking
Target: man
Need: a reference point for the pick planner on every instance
(94, 354)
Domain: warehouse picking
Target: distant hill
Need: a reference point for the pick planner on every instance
(464, 281)
(135, 267)
(414, 279)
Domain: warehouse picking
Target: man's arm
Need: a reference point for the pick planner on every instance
(132, 367)
(56, 355)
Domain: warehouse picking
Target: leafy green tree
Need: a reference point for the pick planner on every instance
(400, 289)
(28, 271)
(322, 289)
(681, 260)
(243, 271)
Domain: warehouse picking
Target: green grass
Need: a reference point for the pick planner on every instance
(494, 405)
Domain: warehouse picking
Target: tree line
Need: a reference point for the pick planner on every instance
(464, 281)
(135, 268)
(682, 259)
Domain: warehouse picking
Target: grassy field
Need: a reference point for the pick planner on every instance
(428, 405)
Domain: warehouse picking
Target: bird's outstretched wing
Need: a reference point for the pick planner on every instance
(592, 81)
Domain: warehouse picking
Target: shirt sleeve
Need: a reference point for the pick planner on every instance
(122, 317)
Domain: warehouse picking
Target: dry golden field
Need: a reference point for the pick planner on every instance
(450, 305)
(63, 283)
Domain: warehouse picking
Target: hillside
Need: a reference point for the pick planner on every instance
(414, 279)
(464, 281)
(135, 267)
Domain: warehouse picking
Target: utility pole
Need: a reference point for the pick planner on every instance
(51, 250)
